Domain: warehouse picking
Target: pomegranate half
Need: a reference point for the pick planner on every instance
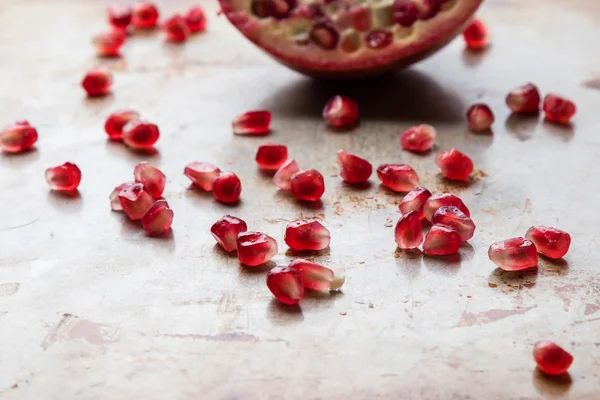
(349, 38)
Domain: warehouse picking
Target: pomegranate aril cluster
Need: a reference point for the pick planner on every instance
(226, 187)
(127, 126)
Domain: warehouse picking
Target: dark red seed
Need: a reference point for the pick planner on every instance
(452, 216)
(306, 235)
(378, 39)
(514, 254)
(476, 35)
(226, 230)
(135, 200)
(271, 156)
(419, 138)
(440, 200)
(18, 137)
(454, 164)
(361, 18)
(255, 248)
(398, 177)
(525, 98)
(195, 19)
(202, 174)
(145, 15)
(283, 176)
(405, 13)
(175, 29)
(341, 112)
(252, 123)
(551, 242)
(109, 44)
(151, 177)
(441, 240)
(353, 168)
(64, 178)
(408, 232)
(415, 200)
(551, 359)
(140, 134)
(158, 219)
(308, 11)
(116, 121)
(315, 276)
(480, 117)
(307, 185)
(427, 8)
(558, 109)
(227, 187)
(325, 35)
(286, 285)
(119, 16)
(97, 82)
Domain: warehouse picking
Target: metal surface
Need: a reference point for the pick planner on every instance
(90, 308)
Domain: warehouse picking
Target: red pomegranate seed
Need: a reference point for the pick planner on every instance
(398, 177)
(227, 187)
(361, 18)
(306, 235)
(176, 30)
(419, 138)
(307, 185)
(558, 109)
(145, 15)
(158, 219)
(441, 240)
(440, 200)
(551, 242)
(378, 39)
(151, 177)
(525, 98)
(308, 11)
(255, 248)
(405, 13)
(140, 134)
(119, 16)
(476, 35)
(551, 359)
(252, 123)
(115, 204)
(415, 200)
(226, 230)
(514, 254)
(454, 164)
(353, 168)
(97, 82)
(116, 121)
(135, 200)
(286, 285)
(202, 174)
(453, 217)
(324, 34)
(480, 117)
(341, 112)
(64, 178)
(408, 232)
(315, 276)
(195, 19)
(18, 137)
(283, 176)
(109, 44)
(271, 156)
(428, 8)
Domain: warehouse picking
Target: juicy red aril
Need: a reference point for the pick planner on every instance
(202, 174)
(525, 98)
(325, 35)
(135, 200)
(252, 123)
(341, 112)
(272, 8)
(361, 18)
(441, 240)
(255, 248)
(145, 15)
(109, 44)
(551, 359)
(119, 16)
(408, 232)
(419, 138)
(18, 137)
(558, 109)
(379, 39)
(454, 164)
(97, 82)
(158, 219)
(427, 8)
(405, 13)
(176, 30)
(440, 200)
(315, 276)
(116, 121)
(307, 185)
(514, 254)
(140, 134)
(353, 168)
(398, 177)
(415, 200)
(307, 11)
(115, 204)
(271, 156)
(306, 235)
(551, 242)
(283, 176)
(452, 216)
(227, 187)
(195, 19)
(286, 285)
(226, 230)
(476, 35)
(151, 177)
(64, 178)
(480, 117)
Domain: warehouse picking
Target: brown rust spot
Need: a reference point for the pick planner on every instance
(593, 83)
(487, 317)
(71, 327)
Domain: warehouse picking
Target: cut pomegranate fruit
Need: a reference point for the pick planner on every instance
(415, 201)
(408, 232)
(226, 230)
(252, 123)
(440, 200)
(514, 254)
(18, 137)
(109, 44)
(140, 134)
(135, 200)
(158, 219)
(64, 178)
(453, 217)
(306, 235)
(480, 117)
(283, 176)
(558, 109)
(271, 156)
(441, 240)
(145, 15)
(315, 276)
(315, 41)
(116, 121)
(341, 112)
(97, 82)
(202, 174)
(398, 177)
(119, 16)
(419, 138)
(551, 242)
(151, 177)
(255, 248)
(353, 168)
(476, 35)
(286, 285)
(195, 19)
(227, 187)
(551, 359)
(307, 185)
(454, 164)
(115, 204)
(524, 99)
(175, 29)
